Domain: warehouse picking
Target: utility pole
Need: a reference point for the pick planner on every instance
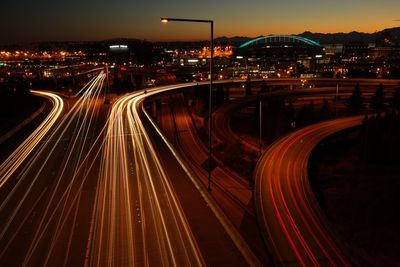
(106, 98)
(166, 20)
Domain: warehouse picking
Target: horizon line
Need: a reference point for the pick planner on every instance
(153, 40)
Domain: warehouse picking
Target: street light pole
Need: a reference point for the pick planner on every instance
(337, 93)
(210, 107)
(106, 97)
(166, 20)
(260, 125)
(336, 98)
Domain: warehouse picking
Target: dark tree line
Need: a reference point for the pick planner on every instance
(380, 138)
(276, 117)
(122, 83)
(356, 102)
(377, 103)
(280, 116)
(16, 100)
(381, 131)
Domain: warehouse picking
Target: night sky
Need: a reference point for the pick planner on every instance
(42, 20)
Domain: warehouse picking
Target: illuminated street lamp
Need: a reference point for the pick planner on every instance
(166, 20)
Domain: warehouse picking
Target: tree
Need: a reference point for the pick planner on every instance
(274, 118)
(306, 115)
(220, 95)
(325, 112)
(201, 100)
(311, 112)
(302, 116)
(127, 83)
(138, 81)
(356, 102)
(247, 86)
(396, 99)
(264, 87)
(377, 100)
(227, 93)
(291, 114)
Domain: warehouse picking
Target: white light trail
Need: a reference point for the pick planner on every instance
(8, 167)
(154, 231)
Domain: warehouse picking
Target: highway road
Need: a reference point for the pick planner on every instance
(87, 188)
(222, 117)
(8, 167)
(137, 217)
(126, 136)
(230, 191)
(293, 224)
(45, 184)
(177, 124)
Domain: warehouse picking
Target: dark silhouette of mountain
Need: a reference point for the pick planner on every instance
(331, 38)
(389, 36)
(234, 41)
(393, 32)
(327, 38)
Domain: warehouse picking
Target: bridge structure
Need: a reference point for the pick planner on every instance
(280, 39)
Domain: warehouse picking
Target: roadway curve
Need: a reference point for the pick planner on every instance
(137, 218)
(46, 184)
(8, 167)
(90, 190)
(292, 222)
(223, 115)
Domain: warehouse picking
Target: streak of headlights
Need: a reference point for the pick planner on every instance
(132, 173)
(8, 167)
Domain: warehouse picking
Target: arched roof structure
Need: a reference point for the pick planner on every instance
(273, 38)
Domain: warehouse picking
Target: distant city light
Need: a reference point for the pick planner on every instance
(118, 46)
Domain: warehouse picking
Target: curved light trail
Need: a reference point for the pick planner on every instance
(137, 216)
(291, 219)
(8, 167)
(48, 181)
(87, 188)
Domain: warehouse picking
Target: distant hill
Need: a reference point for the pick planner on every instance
(326, 38)
(332, 38)
(393, 34)
(235, 41)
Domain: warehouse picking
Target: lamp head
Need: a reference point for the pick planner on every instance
(164, 20)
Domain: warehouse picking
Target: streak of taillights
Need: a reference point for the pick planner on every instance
(282, 181)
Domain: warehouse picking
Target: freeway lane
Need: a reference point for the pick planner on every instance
(43, 200)
(137, 216)
(293, 224)
(138, 219)
(226, 186)
(8, 167)
(230, 192)
(92, 192)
